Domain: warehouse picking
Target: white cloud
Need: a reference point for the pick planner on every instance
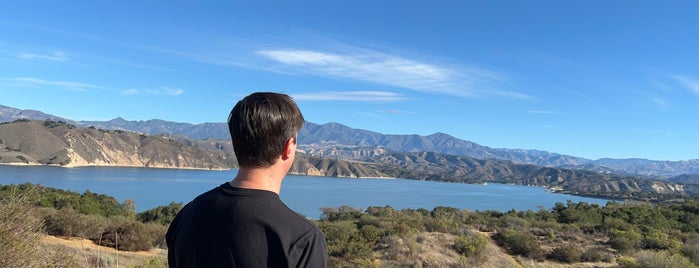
(337, 60)
(130, 91)
(53, 56)
(366, 96)
(159, 91)
(393, 111)
(385, 69)
(688, 82)
(36, 82)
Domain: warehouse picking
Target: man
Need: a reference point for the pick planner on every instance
(244, 223)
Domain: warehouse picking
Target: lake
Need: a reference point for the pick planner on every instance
(151, 187)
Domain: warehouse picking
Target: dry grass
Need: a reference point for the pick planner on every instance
(88, 254)
(435, 250)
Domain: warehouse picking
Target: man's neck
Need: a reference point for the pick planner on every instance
(258, 178)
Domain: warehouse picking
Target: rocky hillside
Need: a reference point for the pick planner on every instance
(443, 167)
(322, 140)
(334, 139)
(57, 143)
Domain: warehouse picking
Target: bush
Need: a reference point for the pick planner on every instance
(662, 259)
(68, 222)
(659, 240)
(691, 251)
(519, 243)
(345, 241)
(162, 214)
(596, 255)
(20, 237)
(627, 262)
(567, 253)
(127, 234)
(20, 233)
(471, 245)
(624, 240)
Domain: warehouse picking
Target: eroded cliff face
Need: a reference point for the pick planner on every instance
(51, 143)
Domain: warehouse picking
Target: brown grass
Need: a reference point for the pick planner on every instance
(88, 254)
(435, 250)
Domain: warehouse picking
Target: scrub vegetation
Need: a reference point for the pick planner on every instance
(567, 235)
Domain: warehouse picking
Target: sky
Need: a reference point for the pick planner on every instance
(593, 79)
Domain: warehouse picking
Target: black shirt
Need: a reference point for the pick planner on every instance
(236, 227)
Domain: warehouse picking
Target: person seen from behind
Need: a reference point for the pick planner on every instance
(244, 223)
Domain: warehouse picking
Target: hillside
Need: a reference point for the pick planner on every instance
(451, 168)
(56, 143)
(321, 140)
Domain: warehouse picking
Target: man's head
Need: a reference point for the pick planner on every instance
(260, 126)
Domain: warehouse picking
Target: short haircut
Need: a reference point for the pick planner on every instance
(260, 124)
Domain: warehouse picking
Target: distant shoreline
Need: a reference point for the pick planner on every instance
(117, 166)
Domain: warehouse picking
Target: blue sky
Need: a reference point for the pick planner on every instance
(593, 79)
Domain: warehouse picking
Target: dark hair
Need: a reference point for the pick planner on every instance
(260, 124)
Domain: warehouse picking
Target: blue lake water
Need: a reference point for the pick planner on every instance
(150, 188)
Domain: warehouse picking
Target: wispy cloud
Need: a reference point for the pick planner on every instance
(688, 82)
(364, 96)
(130, 91)
(52, 56)
(381, 68)
(37, 82)
(393, 111)
(660, 101)
(540, 112)
(159, 91)
(322, 57)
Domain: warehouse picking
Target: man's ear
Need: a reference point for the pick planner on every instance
(289, 148)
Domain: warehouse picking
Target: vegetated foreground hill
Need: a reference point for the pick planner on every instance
(56, 143)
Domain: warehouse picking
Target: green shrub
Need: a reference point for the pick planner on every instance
(22, 158)
(691, 251)
(161, 215)
(662, 259)
(126, 234)
(568, 253)
(345, 241)
(624, 240)
(627, 262)
(659, 240)
(471, 245)
(519, 243)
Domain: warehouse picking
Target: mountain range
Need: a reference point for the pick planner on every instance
(338, 141)
(336, 150)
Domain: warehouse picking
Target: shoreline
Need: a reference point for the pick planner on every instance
(114, 166)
